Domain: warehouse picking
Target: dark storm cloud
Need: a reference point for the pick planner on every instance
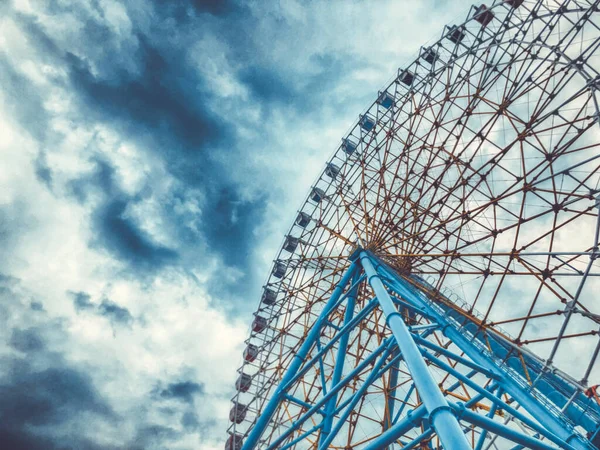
(157, 100)
(190, 421)
(24, 103)
(17, 439)
(114, 230)
(172, 114)
(49, 396)
(182, 390)
(33, 399)
(189, 10)
(115, 313)
(232, 220)
(102, 178)
(42, 170)
(152, 96)
(151, 434)
(26, 341)
(268, 85)
(36, 306)
(216, 7)
(274, 87)
(51, 403)
(82, 301)
(124, 239)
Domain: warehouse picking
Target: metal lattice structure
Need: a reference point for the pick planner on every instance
(438, 289)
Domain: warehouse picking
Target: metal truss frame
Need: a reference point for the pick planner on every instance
(437, 413)
(473, 182)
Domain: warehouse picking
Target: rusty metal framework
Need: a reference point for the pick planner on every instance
(470, 187)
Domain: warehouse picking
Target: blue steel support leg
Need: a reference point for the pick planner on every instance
(339, 360)
(530, 423)
(441, 416)
(264, 419)
(522, 396)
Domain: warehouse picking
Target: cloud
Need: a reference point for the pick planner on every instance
(154, 98)
(82, 301)
(182, 390)
(119, 235)
(115, 313)
(42, 392)
(50, 396)
(26, 341)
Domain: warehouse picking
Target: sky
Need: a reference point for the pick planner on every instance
(152, 157)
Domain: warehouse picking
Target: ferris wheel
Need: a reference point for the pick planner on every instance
(439, 287)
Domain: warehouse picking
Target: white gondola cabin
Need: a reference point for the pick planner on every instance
(406, 77)
(237, 413)
(429, 55)
(317, 195)
(366, 123)
(243, 382)
(234, 442)
(269, 297)
(331, 170)
(348, 146)
(259, 324)
(303, 219)
(250, 352)
(456, 34)
(483, 15)
(290, 244)
(385, 99)
(279, 269)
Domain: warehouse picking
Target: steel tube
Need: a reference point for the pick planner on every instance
(441, 416)
(271, 407)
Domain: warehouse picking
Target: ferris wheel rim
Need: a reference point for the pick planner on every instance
(349, 243)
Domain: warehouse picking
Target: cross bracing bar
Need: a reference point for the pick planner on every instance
(545, 413)
(399, 302)
(339, 362)
(334, 390)
(296, 363)
(490, 414)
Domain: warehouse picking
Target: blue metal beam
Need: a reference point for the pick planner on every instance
(450, 354)
(302, 436)
(500, 429)
(441, 416)
(393, 382)
(404, 403)
(551, 422)
(487, 394)
(270, 408)
(418, 440)
(339, 360)
(490, 414)
(345, 329)
(355, 399)
(414, 417)
(411, 420)
(334, 390)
